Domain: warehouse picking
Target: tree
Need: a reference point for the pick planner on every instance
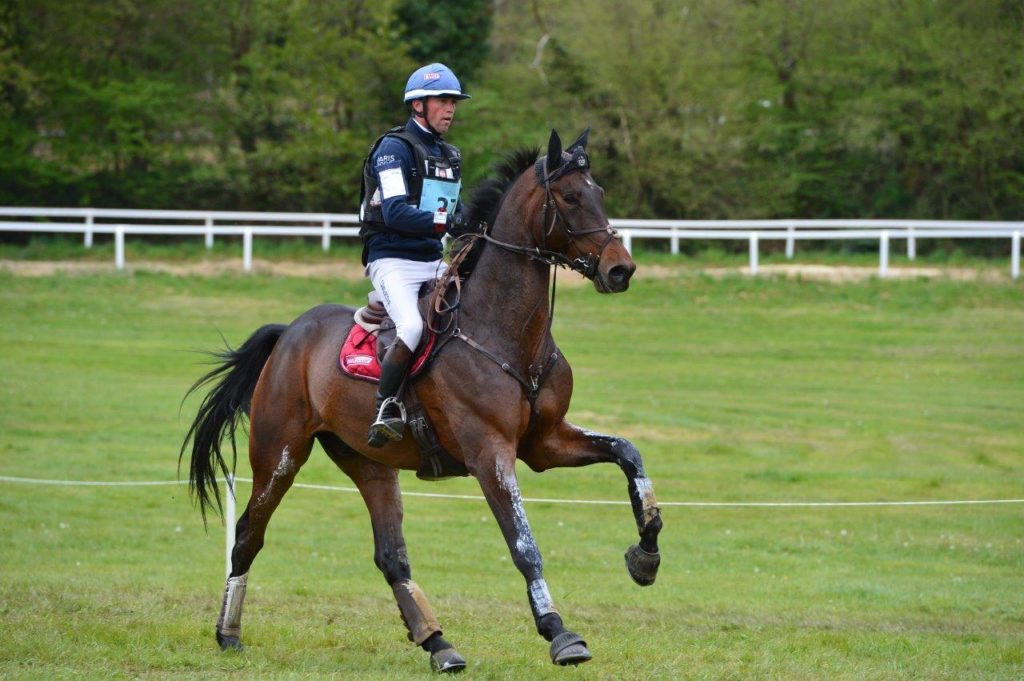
(454, 32)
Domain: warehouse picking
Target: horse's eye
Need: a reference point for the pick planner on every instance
(571, 198)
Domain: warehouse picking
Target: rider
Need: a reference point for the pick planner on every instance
(411, 182)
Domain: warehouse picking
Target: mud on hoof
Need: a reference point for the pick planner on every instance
(229, 642)
(568, 648)
(642, 566)
(447, 661)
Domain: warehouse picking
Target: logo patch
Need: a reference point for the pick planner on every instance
(432, 75)
(384, 159)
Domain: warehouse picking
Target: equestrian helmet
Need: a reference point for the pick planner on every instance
(433, 80)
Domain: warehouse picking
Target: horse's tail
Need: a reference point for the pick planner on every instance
(222, 410)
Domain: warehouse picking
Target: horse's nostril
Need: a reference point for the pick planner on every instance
(619, 274)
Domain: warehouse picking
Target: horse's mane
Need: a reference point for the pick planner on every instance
(486, 199)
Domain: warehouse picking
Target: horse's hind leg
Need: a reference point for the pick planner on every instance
(569, 446)
(276, 452)
(378, 485)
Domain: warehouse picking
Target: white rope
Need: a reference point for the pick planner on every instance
(540, 500)
(90, 483)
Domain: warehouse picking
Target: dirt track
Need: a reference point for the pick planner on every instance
(343, 269)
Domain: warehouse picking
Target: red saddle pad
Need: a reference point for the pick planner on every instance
(358, 356)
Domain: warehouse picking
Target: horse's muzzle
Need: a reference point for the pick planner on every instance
(615, 280)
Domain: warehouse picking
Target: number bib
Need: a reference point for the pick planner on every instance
(437, 193)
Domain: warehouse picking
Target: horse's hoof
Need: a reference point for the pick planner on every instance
(568, 648)
(642, 566)
(447, 661)
(229, 642)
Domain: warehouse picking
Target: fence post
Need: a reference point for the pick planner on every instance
(754, 238)
(911, 244)
(229, 520)
(119, 247)
(883, 254)
(88, 229)
(1015, 255)
(790, 242)
(209, 232)
(325, 240)
(247, 249)
(627, 240)
(675, 241)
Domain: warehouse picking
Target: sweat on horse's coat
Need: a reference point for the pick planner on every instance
(540, 598)
(487, 414)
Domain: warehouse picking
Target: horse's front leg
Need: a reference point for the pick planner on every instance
(501, 488)
(569, 446)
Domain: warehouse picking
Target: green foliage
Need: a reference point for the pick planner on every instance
(454, 32)
(708, 109)
(246, 104)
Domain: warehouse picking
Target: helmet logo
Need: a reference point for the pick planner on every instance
(432, 75)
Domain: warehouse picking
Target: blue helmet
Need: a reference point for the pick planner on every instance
(433, 80)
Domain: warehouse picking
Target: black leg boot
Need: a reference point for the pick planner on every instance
(390, 421)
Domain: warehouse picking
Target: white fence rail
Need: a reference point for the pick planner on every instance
(210, 224)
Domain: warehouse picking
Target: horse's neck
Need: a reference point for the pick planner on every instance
(506, 299)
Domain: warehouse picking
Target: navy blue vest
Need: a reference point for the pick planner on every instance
(395, 227)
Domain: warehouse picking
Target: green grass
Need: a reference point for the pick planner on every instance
(734, 390)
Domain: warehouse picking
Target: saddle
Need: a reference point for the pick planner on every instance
(371, 336)
(360, 356)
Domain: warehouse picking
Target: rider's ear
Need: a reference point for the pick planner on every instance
(581, 141)
(554, 151)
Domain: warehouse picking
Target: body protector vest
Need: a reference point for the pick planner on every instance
(435, 181)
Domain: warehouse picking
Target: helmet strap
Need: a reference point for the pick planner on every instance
(423, 116)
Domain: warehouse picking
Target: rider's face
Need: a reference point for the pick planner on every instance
(438, 112)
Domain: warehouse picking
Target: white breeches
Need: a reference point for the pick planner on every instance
(398, 282)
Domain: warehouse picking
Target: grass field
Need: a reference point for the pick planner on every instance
(734, 390)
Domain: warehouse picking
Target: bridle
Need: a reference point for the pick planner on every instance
(586, 265)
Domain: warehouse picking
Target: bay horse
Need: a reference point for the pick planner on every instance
(497, 392)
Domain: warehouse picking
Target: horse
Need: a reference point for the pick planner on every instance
(497, 390)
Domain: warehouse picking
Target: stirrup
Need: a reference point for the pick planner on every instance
(387, 428)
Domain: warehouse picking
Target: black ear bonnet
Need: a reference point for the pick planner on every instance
(571, 160)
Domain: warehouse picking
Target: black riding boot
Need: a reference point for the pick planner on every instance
(390, 421)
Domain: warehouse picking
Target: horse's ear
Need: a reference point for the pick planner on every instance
(581, 141)
(554, 151)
